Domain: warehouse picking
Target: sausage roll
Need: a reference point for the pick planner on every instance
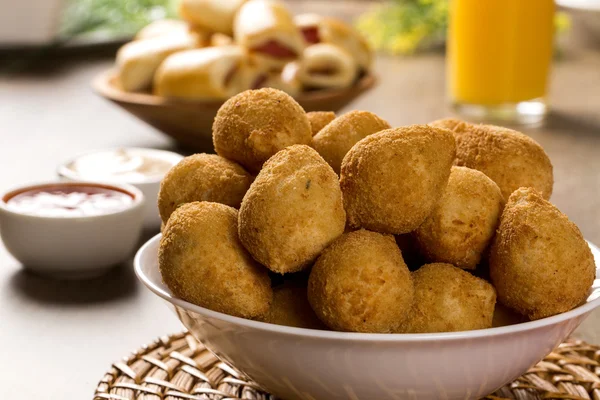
(318, 29)
(212, 15)
(137, 61)
(325, 66)
(207, 73)
(267, 30)
(162, 27)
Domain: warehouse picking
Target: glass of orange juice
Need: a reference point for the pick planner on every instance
(499, 54)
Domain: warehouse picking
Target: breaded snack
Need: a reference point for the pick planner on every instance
(290, 307)
(539, 262)
(202, 177)
(463, 222)
(338, 137)
(212, 15)
(392, 179)
(448, 299)
(361, 284)
(509, 158)
(292, 211)
(137, 61)
(202, 261)
(252, 126)
(318, 120)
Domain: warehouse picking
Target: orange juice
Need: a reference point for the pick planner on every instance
(499, 50)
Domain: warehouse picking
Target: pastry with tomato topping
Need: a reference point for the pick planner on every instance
(318, 29)
(267, 30)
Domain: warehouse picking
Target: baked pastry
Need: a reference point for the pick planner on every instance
(325, 66)
(206, 73)
(212, 15)
(162, 27)
(267, 30)
(137, 61)
(319, 29)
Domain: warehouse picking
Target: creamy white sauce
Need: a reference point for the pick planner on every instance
(124, 165)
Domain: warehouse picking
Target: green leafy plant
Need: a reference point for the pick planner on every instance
(112, 17)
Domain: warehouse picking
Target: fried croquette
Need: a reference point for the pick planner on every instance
(292, 211)
(448, 299)
(463, 222)
(361, 284)
(252, 126)
(539, 262)
(290, 307)
(202, 261)
(338, 137)
(202, 177)
(391, 180)
(318, 120)
(509, 158)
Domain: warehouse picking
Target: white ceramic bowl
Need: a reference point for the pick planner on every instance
(149, 186)
(72, 247)
(295, 363)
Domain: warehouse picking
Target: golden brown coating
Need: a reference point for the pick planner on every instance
(292, 211)
(252, 126)
(463, 222)
(202, 261)
(509, 158)
(290, 307)
(540, 263)
(448, 299)
(202, 177)
(338, 137)
(318, 120)
(361, 284)
(392, 179)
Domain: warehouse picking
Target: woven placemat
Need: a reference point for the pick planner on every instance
(178, 367)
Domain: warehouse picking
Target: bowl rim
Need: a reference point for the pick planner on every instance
(585, 308)
(102, 85)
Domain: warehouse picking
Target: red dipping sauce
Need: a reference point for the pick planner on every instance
(68, 200)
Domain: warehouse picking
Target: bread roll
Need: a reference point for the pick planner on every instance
(162, 27)
(200, 74)
(137, 61)
(212, 15)
(319, 29)
(326, 66)
(267, 30)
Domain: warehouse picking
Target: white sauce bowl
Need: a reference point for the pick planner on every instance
(149, 185)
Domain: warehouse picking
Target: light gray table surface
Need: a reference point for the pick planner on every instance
(58, 338)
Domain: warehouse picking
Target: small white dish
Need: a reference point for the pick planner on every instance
(93, 169)
(306, 364)
(72, 247)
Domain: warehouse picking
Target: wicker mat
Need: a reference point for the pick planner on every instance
(180, 368)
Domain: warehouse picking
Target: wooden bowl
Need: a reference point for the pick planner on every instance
(190, 121)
